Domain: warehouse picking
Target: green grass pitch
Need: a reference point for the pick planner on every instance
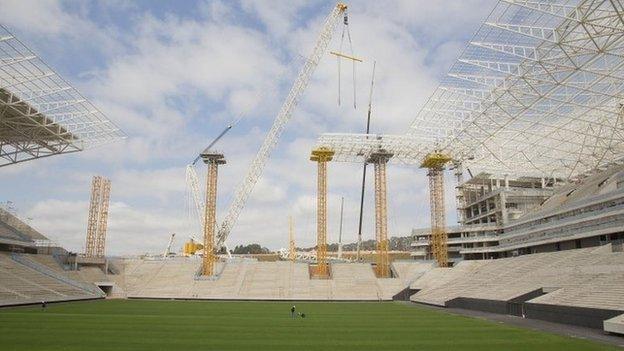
(201, 325)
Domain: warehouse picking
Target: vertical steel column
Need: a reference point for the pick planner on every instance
(379, 160)
(438, 223)
(213, 160)
(103, 218)
(321, 155)
(291, 240)
(436, 162)
(92, 222)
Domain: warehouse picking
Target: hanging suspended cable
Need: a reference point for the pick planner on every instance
(368, 117)
(340, 55)
(346, 25)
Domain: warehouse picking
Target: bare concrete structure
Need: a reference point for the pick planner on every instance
(503, 218)
(485, 204)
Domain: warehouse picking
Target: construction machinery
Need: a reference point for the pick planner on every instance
(363, 188)
(167, 251)
(191, 247)
(98, 217)
(321, 156)
(192, 182)
(244, 189)
(435, 162)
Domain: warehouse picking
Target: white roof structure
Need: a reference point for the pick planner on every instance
(537, 92)
(41, 114)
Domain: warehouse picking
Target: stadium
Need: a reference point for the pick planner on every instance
(525, 133)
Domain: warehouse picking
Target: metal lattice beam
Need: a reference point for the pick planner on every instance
(537, 92)
(41, 114)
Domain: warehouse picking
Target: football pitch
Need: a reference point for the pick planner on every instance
(200, 325)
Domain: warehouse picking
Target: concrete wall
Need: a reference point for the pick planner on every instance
(581, 316)
(467, 303)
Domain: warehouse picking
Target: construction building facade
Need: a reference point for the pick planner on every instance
(509, 217)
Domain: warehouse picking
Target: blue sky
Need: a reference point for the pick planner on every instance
(173, 74)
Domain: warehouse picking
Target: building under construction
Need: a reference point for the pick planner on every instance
(505, 218)
(529, 119)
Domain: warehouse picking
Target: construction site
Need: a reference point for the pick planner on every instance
(525, 132)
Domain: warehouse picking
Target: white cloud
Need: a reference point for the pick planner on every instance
(173, 82)
(46, 17)
(130, 230)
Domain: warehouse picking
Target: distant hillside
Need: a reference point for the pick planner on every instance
(396, 243)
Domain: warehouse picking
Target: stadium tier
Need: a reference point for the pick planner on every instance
(254, 280)
(15, 235)
(583, 286)
(24, 280)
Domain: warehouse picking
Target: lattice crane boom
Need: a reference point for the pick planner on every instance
(192, 181)
(245, 188)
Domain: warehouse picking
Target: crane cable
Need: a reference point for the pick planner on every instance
(345, 28)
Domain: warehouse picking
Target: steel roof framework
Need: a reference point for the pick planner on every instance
(536, 92)
(41, 114)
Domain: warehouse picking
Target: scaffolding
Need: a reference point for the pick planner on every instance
(379, 159)
(212, 160)
(436, 162)
(292, 252)
(321, 156)
(98, 217)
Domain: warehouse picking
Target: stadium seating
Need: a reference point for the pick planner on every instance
(253, 280)
(589, 278)
(9, 233)
(23, 280)
(14, 228)
(615, 325)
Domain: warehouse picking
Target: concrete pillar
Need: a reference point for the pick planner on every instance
(503, 205)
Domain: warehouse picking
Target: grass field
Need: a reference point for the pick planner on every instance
(195, 325)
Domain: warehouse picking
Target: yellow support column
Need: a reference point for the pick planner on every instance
(379, 159)
(436, 162)
(213, 160)
(321, 155)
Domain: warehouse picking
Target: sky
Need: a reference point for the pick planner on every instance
(173, 74)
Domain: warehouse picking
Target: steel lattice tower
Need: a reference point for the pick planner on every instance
(92, 222)
(98, 217)
(321, 155)
(100, 239)
(213, 160)
(379, 159)
(435, 162)
(291, 240)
